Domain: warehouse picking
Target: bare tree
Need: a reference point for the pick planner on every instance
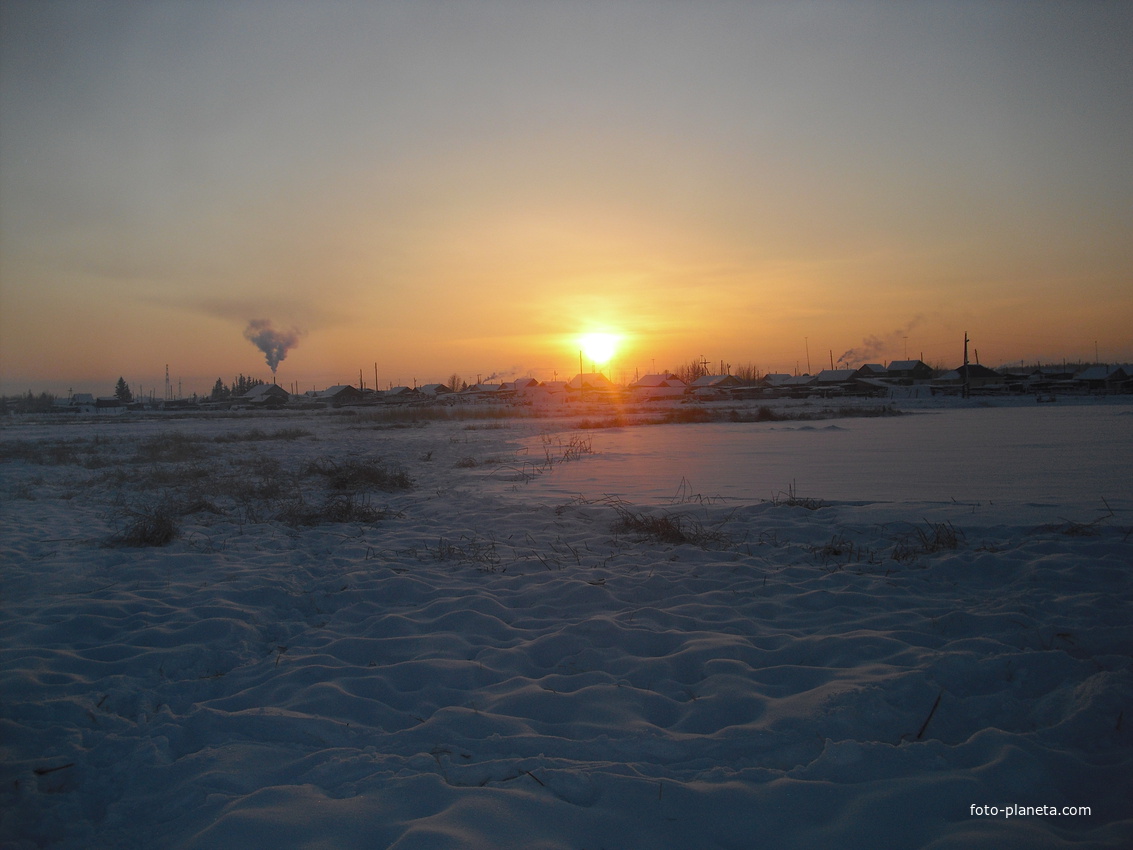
(691, 371)
(747, 372)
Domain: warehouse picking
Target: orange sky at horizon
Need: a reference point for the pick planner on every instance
(468, 188)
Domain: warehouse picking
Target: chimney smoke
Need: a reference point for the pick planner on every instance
(274, 344)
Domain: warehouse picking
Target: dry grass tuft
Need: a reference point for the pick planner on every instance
(670, 528)
(792, 499)
(153, 525)
(336, 508)
(358, 474)
(933, 537)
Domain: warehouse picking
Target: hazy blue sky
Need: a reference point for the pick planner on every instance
(465, 187)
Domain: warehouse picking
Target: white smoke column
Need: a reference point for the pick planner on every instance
(875, 347)
(274, 344)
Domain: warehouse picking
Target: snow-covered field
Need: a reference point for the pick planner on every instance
(853, 633)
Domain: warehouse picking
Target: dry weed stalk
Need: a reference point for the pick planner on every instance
(791, 499)
(934, 537)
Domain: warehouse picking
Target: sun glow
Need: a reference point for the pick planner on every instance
(599, 347)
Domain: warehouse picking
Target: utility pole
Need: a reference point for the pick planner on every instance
(806, 342)
(965, 391)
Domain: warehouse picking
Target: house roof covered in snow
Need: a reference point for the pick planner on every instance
(662, 379)
(776, 379)
(519, 384)
(337, 391)
(871, 369)
(590, 381)
(906, 365)
(1102, 373)
(835, 376)
(975, 370)
(714, 381)
(263, 392)
(797, 381)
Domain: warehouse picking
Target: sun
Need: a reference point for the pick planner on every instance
(599, 347)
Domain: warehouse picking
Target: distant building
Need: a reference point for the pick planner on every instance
(776, 379)
(400, 395)
(521, 389)
(976, 376)
(549, 393)
(1104, 378)
(835, 381)
(798, 384)
(481, 393)
(714, 386)
(870, 370)
(77, 403)
(109, 405)
(908, 370)
(661, 385)
(266, 395)
(339, 394)
(591, 385)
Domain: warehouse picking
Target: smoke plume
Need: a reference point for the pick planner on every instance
(274, 344)
(875, 348)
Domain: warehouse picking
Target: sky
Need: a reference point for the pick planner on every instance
(421, 189)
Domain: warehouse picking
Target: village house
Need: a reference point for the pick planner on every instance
(591, 385)
(519, 389)
(109, 405)
(774, 384)
(797, 386)
(481, 393)
(775, 379)
(1104, 378)
(908, 371)
(870, 370)
(338, 395)
(976, 377)
(266, 395)
(714, 386)
(659, 386)
(1041, 379)
(77, 403)
(400, 395)
(831, 382)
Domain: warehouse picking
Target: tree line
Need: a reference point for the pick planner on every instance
(239, 386)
